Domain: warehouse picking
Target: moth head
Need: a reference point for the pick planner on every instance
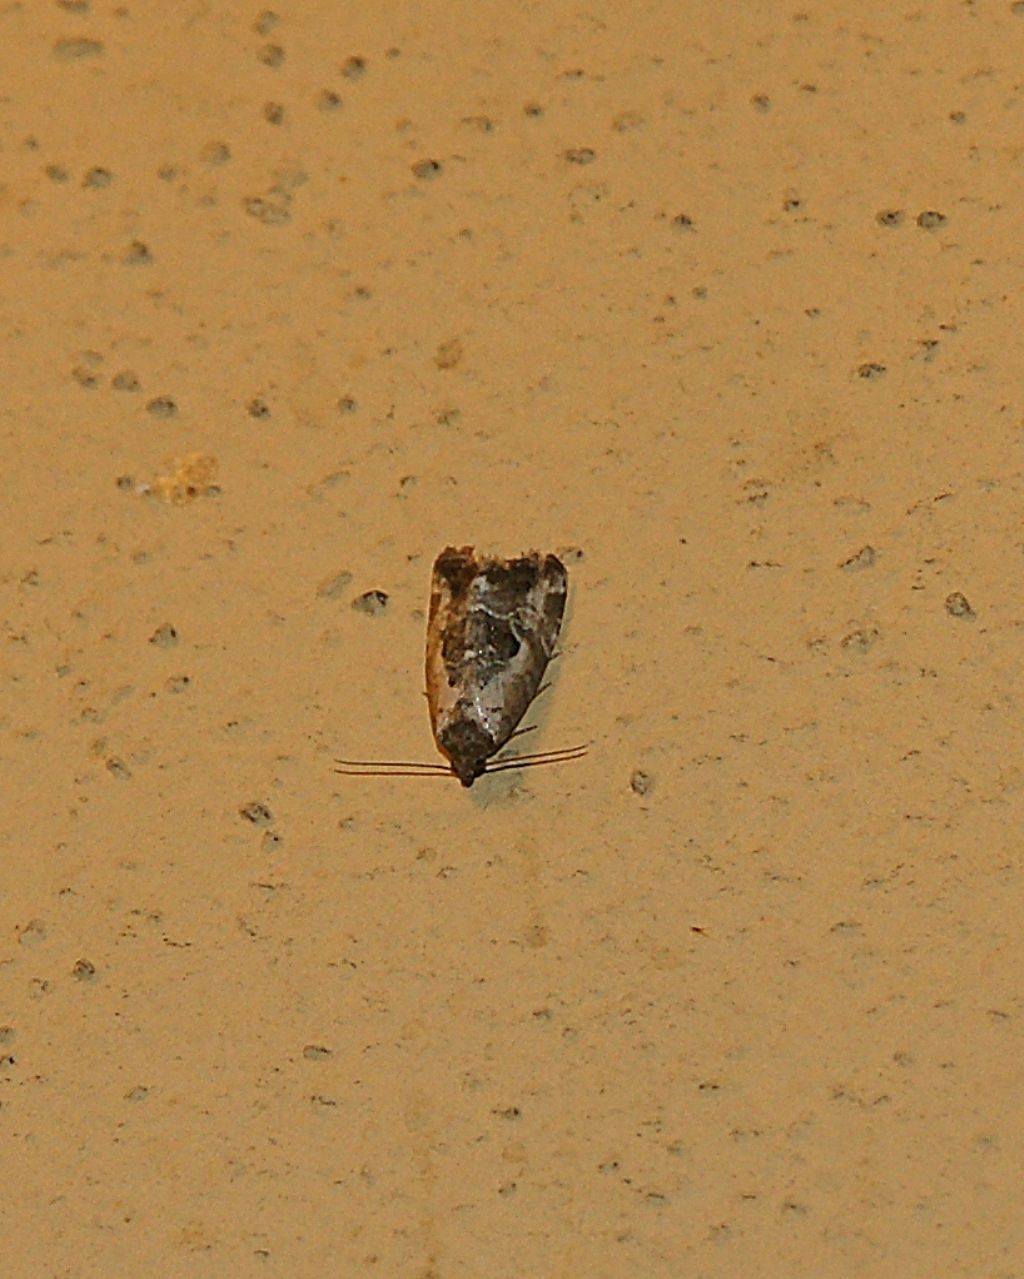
(468, 747)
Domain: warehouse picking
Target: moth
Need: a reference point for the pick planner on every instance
(492, 630)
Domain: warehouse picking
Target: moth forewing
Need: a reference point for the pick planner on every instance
(493, 626)
(492, 629)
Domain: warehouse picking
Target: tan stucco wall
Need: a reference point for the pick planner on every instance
(739, 993)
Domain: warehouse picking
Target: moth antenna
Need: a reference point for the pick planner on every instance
(530, 728)
(508, 765)
(581, 749)
(562, 756)
(392, 772)
(411, 765)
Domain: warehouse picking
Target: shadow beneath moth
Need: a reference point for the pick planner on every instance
(492, 630)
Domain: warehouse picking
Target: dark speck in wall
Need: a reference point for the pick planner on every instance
(427, 169)
(372, 603)
(162, 406)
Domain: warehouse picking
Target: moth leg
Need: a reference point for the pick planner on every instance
(520, 731)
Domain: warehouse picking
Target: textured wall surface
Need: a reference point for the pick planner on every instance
(722, 303)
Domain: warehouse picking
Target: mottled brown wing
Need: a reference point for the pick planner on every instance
(515, 616)
(453, 573)
(492, 629)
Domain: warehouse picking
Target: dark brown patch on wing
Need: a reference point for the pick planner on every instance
(454, 571)
(453, 647)
(509, 582)
(492, 642)
(456, 567)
